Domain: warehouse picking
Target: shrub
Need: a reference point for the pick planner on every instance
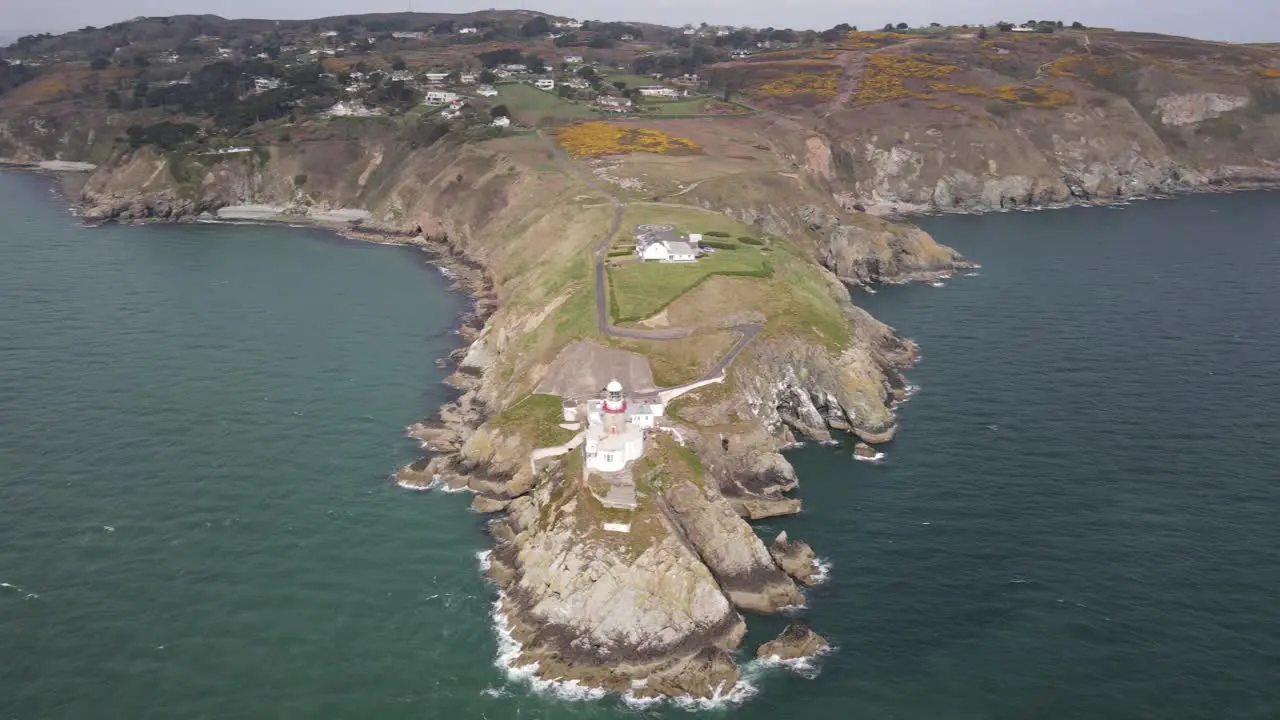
(720, 244)
(884, 76)
(300, 179)
(750, 240)
(592, 139)
(716, 233)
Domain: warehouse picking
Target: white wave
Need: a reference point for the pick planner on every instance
(494, 692)
(445, 271)
(938, 283)
(873, 459)
(25, 595)
(806, 667)
(823, 573)
(973, 274)
(829, 443)
(792, 609)
(437, 484)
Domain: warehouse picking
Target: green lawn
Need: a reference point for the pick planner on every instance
(528, 102)
(691, 106)
(638, 290)
(632, 81)
(537, 418)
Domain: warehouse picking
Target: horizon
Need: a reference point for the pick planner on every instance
(1220, 24)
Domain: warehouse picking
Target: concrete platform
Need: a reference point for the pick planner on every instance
(583, 368)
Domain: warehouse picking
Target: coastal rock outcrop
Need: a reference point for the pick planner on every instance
(607, 608)
(795, 642)
(796, 558)
(731, 550)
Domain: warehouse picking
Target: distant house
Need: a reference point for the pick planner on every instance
(661, 244)
(627, 37)
(342, 109)
(435, 78)
(573, 59)
(501, 121)
(577, 83)
(1024, 28)
(466, 78)
(401, 76)
(409, 35)
(739, 54)
(440, 97)
(263, 84)
(690, 31)
(609, 103)
(516, 68)
(545, 84)
(487, 91)
(658, 91)
(570, 24)
(688, 79)
(467, 31)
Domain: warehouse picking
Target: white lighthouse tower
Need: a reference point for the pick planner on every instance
(615, 402)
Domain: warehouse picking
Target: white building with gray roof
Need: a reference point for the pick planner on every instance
(661, 243)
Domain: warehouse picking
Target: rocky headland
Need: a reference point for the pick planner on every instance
(806, 180)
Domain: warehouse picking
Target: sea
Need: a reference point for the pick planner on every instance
(198, 427)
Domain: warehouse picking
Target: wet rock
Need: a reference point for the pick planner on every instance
(796, 641)
(795, 557)
(864, 450)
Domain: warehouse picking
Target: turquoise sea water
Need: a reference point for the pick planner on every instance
(197, 425)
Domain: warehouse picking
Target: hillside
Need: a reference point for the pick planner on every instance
(528, 153)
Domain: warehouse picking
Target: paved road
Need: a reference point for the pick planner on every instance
(746, 332)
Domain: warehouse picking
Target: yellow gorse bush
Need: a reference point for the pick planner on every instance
(593, 139)
(819, 80)
(882, 78)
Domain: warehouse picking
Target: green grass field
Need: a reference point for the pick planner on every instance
(639, 290)
(693, 106)
(528, 103)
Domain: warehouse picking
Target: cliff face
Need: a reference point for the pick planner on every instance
(608, 608)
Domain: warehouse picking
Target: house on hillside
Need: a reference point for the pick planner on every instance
(661, 243)
(409, 35)
(440, 97)
(661, 91)
(487, 91)
(569, 24)
(401, 76)
(516, 68)
(573, 59)
(263, 84)
(354, 109)
(467, 31)
(467, 78)
(545, 84)
(435, 78)
(501, 121)
(609, 103)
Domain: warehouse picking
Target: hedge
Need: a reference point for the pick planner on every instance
(720, 244)
(750, 240)
(716, 233)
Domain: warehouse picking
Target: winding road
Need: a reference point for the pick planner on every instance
(747, 332)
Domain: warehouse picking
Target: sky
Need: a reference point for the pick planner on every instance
(1232, 20)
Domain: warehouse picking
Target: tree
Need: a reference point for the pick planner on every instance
(1077, 25)
(888, 27)
(903, 26)
(99, 63)
(399, 64)
(487, 77)
(620, 84)
(140, 61)
(983, 34)
(535, 64)
(1004, 26)
(535, 27)
(113, 100)
(499, 111)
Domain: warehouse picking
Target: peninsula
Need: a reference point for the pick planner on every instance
(659, 227)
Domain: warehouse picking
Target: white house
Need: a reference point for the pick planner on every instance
(571, 24)
(609, 103)
(341, 109)
(545, 84)
(615, 429)
(487, 91)
(501, 121)
(263, 84)
(628, 37)
(516, 68)
(440, 97)
(660, 243)
(436, 77)
(401, 76)
(467, 78)
(573, 59)
(659, 91)
(467, 31)
(409, 35)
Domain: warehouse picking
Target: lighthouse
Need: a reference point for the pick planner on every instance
(614, 401)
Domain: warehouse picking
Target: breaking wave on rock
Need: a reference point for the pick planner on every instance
(871, 459)
(824, 571)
